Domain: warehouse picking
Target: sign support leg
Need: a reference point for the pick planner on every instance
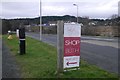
(60, 47)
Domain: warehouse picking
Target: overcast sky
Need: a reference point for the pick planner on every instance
(30, 8)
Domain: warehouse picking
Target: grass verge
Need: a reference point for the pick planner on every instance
(40, 61)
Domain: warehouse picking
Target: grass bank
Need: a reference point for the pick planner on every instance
(40, 61)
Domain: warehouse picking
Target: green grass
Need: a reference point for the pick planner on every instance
(40, 61)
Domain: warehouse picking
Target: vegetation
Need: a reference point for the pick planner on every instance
(13, 24)
(40, 61)
(6, 26)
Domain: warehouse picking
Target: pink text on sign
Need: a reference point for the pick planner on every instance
(71, 46)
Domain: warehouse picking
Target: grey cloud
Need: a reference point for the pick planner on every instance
(92, 8)
(20, 9)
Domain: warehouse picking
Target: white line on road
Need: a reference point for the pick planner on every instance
(102, 43)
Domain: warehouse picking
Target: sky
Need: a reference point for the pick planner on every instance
(11, 9)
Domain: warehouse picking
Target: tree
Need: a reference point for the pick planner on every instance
(5, 26)
(114, 16)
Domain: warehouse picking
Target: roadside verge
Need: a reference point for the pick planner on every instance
(40, 61)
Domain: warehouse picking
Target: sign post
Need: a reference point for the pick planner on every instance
(72, 34)
(68, 45)
(60, 41)
(17, 33)
(22, 40)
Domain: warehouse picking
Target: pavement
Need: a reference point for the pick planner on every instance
(102, 52)
(0, 57)
(10, 68)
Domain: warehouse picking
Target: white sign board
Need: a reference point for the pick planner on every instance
(72, 30)
(72, 34)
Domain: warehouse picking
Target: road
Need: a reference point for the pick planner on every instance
(102, 52)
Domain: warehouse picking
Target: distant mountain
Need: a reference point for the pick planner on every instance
(13, 24)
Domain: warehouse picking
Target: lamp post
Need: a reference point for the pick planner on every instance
(119, 9)
(77, 11)
(40, 20)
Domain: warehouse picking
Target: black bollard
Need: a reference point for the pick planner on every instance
(22, 40)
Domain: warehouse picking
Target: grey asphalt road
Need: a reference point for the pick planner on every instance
(102, 52)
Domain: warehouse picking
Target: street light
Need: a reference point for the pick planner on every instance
(77, 11)
(40, 20)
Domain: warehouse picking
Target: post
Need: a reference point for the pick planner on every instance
(40, 20)
(77, 13)
(17, 33)
(22, 40)
(60, 47)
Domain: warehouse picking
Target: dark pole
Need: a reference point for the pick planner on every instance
(22, 40)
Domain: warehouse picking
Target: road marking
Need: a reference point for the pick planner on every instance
(102, 43)
(98, 38)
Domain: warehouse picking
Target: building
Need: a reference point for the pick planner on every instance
(52, 23)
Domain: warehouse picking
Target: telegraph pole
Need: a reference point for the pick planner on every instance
(77, 11)
(40, 20)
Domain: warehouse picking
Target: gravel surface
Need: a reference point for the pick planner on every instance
(10, 68)
(0, 58)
